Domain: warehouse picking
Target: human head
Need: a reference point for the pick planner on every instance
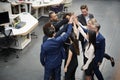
(49, 30)
(96, 27)
(91, 22)
(53, 16)
(67, 15)
(92, 37)
(84, 10)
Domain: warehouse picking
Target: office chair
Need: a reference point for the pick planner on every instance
(5, 42)
(67, 3)
(34, 34)
(59, 10)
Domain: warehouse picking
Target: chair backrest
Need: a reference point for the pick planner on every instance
(67, 1)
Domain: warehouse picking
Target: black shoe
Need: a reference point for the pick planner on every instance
(112, 62)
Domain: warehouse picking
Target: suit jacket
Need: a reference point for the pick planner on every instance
(52, 51)
(58, 33)
(58, 24)
(100, 48)
(82, 20)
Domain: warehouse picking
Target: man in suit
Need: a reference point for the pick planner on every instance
(99, 53)
(52, 51)
(85, 16)
(53, 19)
(83, 19)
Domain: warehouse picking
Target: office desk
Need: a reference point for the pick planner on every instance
(31, 23)
(23, 35)
(19, 3)
(42, 4)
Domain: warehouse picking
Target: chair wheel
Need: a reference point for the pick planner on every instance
(17, 56)
(5, 60)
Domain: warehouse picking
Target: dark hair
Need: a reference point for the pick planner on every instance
(50, 13)
(48, 29)
(75, 43)
(66, 14)
(83, 7)
(97, 25)
(92, 38)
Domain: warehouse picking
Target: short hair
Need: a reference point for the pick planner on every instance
(66, 14)
(48, 29)
(84, 7)
(93, 21)
(97, 25)
(50, 13)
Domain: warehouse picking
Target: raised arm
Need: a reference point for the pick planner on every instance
(59, 24)
(79, 27)
(64, 37)
(67, 34)
(82, 32)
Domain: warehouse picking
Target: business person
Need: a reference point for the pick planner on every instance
(71, 62)
(53, 19)
(52, 51)
(85, 16)
(83, 19)
(108, 57)
(99, 53)
(90, 48)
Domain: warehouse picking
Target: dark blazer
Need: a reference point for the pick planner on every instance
(58, 24)
(100, 48)
(58, 33)
(52, 51)
(82, 20)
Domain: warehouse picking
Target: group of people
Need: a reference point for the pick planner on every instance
(61, 41)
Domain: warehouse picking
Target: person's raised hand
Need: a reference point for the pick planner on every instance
(71, 19)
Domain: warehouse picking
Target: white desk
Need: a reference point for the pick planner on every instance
(23, 34)
(31, 23)
(19, 3)
(41, 4)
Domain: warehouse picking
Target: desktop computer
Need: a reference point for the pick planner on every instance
(4, 17)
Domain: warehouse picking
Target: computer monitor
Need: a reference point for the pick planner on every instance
(4, 17)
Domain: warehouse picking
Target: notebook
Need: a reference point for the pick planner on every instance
(18, 23)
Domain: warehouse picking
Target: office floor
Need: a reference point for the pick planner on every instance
(28, 67)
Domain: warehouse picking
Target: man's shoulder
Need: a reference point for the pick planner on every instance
(101, 37)
(80, 15)
(91, 15)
